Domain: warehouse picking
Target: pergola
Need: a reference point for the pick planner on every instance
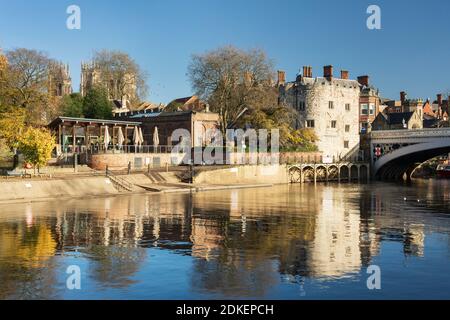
(82, 135)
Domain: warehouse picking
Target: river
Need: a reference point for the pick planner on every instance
(282, 242)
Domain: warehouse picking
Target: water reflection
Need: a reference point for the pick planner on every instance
(240, 243)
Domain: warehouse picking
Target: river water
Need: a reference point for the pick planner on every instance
(283, 242)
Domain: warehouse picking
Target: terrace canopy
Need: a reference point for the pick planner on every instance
(79, 135)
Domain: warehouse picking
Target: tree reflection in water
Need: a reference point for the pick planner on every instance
(242, 243)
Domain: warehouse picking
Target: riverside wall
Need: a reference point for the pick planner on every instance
(273, 174)
(34, 190)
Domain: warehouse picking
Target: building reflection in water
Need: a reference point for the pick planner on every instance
(242, 241)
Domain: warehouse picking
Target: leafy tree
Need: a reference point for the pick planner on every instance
(36, 145)
(280, 117)
(12, 125)
(96, 104)
(24, 83)
(72, 105)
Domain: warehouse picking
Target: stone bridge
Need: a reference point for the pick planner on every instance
(395, 154)
(327, 172)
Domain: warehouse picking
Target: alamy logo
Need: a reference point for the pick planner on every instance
(374, 20)
(73, 22)
(73, 282)
(250, 146)
(374, 280)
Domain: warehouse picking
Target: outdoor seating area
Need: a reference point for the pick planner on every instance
(79, 135)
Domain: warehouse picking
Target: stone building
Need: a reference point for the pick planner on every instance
(120, 89)
(398, 121)
(328, 105)
(60, 82)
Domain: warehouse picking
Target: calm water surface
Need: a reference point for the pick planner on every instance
(285, 242)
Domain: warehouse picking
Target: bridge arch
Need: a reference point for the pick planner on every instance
(394, 165)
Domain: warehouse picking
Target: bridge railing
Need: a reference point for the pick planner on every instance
(413, 133)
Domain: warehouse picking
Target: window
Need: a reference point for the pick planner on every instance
(310, 123)
(346, 144)
(347, 107)
(301, 105)
(347, 128)
(330, 105)
(333, 124)
(372, 109)
(365, 109)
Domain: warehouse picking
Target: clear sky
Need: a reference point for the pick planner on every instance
(411, 52)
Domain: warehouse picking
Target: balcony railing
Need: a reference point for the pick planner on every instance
(97, 149)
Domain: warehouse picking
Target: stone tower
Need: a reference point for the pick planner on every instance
(327, 105)
(121, 89)
(60, 82)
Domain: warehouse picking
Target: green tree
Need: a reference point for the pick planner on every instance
(96, 104)
(36, 145)
(72, 105)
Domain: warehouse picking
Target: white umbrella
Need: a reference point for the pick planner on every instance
(141, 136)
(155, 138)
(120, 138)
(107, 138)
(136, 137)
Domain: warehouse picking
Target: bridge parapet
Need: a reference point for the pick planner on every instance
(414, 134)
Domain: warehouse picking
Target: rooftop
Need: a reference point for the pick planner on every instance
(60, 120)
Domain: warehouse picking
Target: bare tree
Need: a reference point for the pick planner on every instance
(126, 75)
(232, 80)
(27, 76)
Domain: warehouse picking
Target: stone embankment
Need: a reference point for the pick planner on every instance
(84, 185)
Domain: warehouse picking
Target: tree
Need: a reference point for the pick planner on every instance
(12, 124)
(28, 73)
(25, 84)
(233, 80)
(96, 104)
(280, 117)
(36, 145)
(72, 105)
(118, 67)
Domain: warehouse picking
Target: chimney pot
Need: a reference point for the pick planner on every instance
(403, 96)
(307, 71)
(439, 99)
(328, 72)
(363, 80)
(344, 74)
(281, 77)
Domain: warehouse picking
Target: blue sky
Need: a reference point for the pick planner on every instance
(411, 52)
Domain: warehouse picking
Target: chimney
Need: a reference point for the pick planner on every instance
(344, 74)
(307, 71)
(328, 72)
(281, 77)
(403, 97)
(439, 99)
(363, 80)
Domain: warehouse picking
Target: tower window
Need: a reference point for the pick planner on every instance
(301, 105)
(330, 105)
(347, 107)
(310, 123)
(333, 124)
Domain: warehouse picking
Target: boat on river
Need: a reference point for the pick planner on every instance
(443, 170)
